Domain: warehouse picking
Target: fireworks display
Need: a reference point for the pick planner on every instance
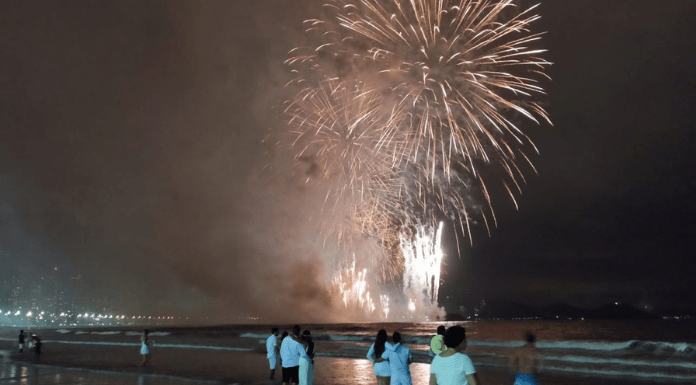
(398, 106)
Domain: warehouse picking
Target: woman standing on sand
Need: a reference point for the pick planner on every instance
(307, 366)
(381, 366)
(145, 348)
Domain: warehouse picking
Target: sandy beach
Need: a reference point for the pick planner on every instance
(219, 356)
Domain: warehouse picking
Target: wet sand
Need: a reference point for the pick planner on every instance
(117, 365)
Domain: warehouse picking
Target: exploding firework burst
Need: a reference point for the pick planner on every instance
(458, 71)
(399, 105)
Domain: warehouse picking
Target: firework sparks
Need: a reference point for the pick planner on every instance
(423, 254)
(399, 105)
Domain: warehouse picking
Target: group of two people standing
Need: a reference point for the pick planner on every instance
(296, 356)
(449, 366)
(391, 361)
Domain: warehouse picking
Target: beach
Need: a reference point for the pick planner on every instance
(235, 354)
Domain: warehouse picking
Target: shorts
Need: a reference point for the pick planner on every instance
(272, 361)
(291, 374)
(144, 350)
(526, 379)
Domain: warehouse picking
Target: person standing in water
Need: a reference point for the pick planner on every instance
(525, 361)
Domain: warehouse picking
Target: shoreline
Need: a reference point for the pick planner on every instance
(227, 355)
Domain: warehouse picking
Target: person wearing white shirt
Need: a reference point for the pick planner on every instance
(271, 351)
(399, 357)
(291, 349)
(452, 367)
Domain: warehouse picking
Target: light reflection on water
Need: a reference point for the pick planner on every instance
(347, 371)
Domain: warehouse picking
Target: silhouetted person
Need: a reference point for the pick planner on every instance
(37, 346)
(399, 359)
(525, 361)
(452, 366)
(271, 351)
(21, 341)
(381, 366)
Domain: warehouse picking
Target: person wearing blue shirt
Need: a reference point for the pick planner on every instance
(291, 349)
(399, 357)
(271, 351)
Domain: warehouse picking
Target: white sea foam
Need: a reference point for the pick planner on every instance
(621, 361)
(107, 333)
(619, 373)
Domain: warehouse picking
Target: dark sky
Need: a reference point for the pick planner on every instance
(130, 153)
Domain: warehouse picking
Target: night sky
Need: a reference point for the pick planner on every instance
(131, 153)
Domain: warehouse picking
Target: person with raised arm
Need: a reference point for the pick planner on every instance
(381, 366)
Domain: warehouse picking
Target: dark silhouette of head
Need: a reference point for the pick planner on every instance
(296, 330)
(529, 337)
(454, 336)
(441, 330)
(379, 342)
(285, 334)
(274, 331)
(396, 337)
(306, 335)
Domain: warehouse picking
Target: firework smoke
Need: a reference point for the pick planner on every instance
(399, 104)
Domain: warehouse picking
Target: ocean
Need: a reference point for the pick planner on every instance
(574, 351)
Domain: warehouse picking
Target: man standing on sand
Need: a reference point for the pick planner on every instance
(525, 362)
(399, 357)
(21, 341)
(271, 351)
(291, 349)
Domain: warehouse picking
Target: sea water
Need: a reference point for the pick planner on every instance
(573, 351)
